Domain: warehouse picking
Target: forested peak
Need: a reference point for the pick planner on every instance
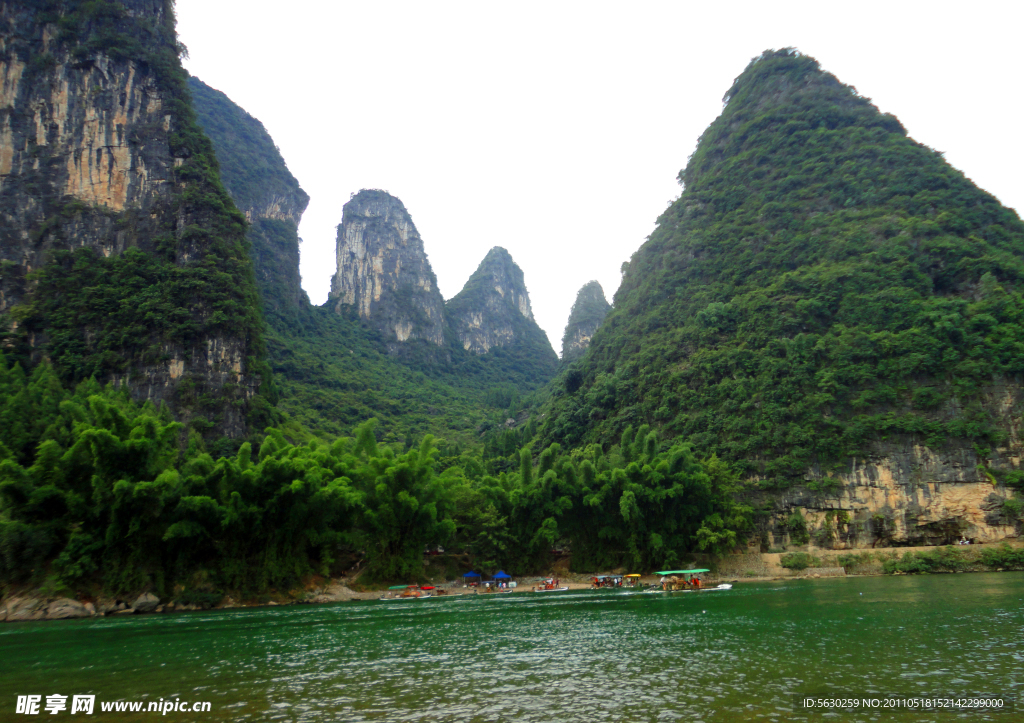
(374, 202)
(589, 294)
(251, 165)
(586, 316)
(792, 307)
(787, 91)
(497, 276)
(590, 307)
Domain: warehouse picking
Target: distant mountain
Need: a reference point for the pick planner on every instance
(263, 188)
(586, 316)
(825, 294)
(492, 314)
(383, 271)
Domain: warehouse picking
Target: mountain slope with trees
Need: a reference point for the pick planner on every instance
(823, 284)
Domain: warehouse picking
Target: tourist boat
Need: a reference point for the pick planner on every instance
(671, 582)
(409, 592)
(550, 585)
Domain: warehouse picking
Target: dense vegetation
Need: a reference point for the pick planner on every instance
(97, 491)
(822, 283)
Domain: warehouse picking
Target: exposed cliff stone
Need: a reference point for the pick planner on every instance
(906, 493)
(587, 314)
(100, 155)
(490, 307)
(255, 175)
(492, 314)
(383, 271)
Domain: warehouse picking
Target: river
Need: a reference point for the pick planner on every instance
(744, 654)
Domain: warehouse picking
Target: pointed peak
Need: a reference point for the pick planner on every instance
(372, 202)
(499, 257)
(586, 316)
(591, 290)
(781, 90)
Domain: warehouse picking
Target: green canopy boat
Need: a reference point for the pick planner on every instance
(682, 572)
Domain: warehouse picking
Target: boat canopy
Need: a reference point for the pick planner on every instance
(682, 572)
(502, 575)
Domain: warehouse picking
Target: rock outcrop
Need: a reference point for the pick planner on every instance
(586, 316)
(100, 156)
(66, 608)
(492, 315)
(146, 603)
(383, 272)
(263, 188)
(492, 305)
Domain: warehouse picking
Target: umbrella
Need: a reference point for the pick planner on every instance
(501, 575)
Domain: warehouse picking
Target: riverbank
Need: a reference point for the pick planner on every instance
(37, 604)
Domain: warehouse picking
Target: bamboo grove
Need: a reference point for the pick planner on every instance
(99, 492)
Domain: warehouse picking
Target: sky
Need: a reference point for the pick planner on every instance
(557, 129)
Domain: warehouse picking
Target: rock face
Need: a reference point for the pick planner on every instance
(492, 318)
(99, 156)
(66, 608)
(587, 314)
(904, 494)
(383, 272)
(492, 305)
(263, 188)
(146, 603)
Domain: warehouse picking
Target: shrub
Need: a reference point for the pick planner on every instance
(1003, 556)
(798, 561)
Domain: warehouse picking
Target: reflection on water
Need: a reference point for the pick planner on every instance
(743, 654)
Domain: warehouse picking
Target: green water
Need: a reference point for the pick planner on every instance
(742, 654)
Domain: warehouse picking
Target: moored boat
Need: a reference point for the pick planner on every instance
(409, 592)
(550, 584)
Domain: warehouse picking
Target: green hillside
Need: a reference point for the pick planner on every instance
(823, 282)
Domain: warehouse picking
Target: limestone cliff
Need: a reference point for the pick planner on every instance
(109, 192)
(383, 272)
(493, 312)
(587, 314)
(255, 175)
(904, 492)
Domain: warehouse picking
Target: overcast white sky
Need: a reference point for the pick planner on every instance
(556, 129)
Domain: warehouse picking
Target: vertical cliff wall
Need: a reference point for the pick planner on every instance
(109, 193)
(383, 272)
(263, 188)
(586, 316)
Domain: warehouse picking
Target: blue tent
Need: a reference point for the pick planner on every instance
(472, 574)
(502, 575)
